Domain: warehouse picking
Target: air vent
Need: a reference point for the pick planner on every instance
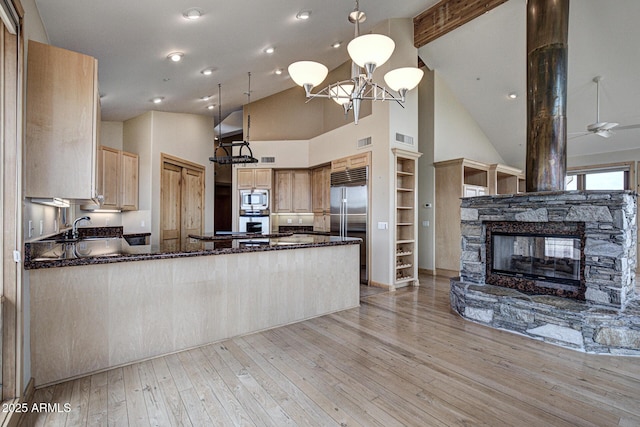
(364, 142)
(267, 159)
(404, 139)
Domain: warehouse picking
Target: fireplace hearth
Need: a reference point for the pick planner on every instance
(555, 266)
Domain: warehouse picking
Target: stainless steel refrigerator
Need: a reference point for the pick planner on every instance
(349, 204)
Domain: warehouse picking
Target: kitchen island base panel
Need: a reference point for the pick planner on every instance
(85, 319)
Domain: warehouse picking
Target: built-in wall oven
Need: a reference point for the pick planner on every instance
(254, 224)
(254, 211)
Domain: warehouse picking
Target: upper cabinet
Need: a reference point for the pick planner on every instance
(357, 161)
(118, 179)
(250, 178)
(293, 191)
(62, 110)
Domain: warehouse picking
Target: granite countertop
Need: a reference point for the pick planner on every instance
(48, 253)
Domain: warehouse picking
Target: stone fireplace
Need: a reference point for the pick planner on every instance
(556, 266)
(537, 257)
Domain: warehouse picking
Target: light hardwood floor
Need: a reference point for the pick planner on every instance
(401, 358)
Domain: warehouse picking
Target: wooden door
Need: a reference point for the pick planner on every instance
(192, 207)
(171, 201)
(182, 204)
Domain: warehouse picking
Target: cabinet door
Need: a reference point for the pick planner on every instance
(129, 181)
(318, 190)
(301, 191)
(283, 182)
(61, 123)
(358, 161)
(245, 178)
(262, 178)
(108, 177)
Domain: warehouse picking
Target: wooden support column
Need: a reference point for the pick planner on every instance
(547, 51)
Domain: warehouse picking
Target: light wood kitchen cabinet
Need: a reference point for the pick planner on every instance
(321, 198)
(321, 189)
(293, 191)
(454, 179)
(352, 162)
(505, 179)
(129, 181)
(254, 178)
(62, 109)
(118, 179)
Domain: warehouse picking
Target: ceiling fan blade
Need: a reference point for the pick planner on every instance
(605, 133)
(636, 126)
(575, 135)
(608, 126)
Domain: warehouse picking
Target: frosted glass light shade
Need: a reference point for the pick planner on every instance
(342, 91)
(371, 49)
(308, 72)
(403, 78)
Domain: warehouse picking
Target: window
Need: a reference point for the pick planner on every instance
(618, 176)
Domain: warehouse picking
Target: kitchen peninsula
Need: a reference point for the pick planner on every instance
(92, 313)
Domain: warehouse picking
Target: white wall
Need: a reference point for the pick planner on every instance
(456, 133)
(189, 137)
(426, 174)
(111, 134)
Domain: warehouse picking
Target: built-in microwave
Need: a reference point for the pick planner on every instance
(254, 200)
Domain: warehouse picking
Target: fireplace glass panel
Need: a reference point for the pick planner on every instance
(539, 257)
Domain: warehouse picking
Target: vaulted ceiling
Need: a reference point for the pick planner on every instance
(481, 62)
(485, 60)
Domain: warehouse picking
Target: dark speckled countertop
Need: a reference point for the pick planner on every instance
(47, 253)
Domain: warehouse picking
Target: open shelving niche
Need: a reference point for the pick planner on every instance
(406, 216)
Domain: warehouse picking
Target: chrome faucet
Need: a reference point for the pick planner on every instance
(74, 229)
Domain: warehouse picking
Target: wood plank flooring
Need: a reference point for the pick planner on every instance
(401, 358)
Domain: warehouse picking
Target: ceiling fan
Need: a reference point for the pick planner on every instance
(603, 129)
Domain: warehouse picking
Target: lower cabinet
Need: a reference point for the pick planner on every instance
(322, 222)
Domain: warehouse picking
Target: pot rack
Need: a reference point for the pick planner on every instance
(223, 154)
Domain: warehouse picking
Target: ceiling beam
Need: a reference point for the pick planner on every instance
(447, 15)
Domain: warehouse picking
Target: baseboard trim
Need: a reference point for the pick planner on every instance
(447, 273)
(426, 271)
(381, 285)
(12, 419)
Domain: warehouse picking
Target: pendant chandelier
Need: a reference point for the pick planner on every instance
(223, 153)
(367, 52)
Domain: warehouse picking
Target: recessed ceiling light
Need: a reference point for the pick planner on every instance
(336, 45)
(210, 107)
(176, 56)
(513, 95)
(206, 97)
(157, 99)
(192, 14)
(304, 14)
(279, 71)
(207, 71)
(270, 50)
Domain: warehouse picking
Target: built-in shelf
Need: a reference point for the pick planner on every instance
(406, 261)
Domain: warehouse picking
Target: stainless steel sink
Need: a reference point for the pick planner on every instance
(77, 248)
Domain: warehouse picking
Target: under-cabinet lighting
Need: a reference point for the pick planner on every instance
(54, 201)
